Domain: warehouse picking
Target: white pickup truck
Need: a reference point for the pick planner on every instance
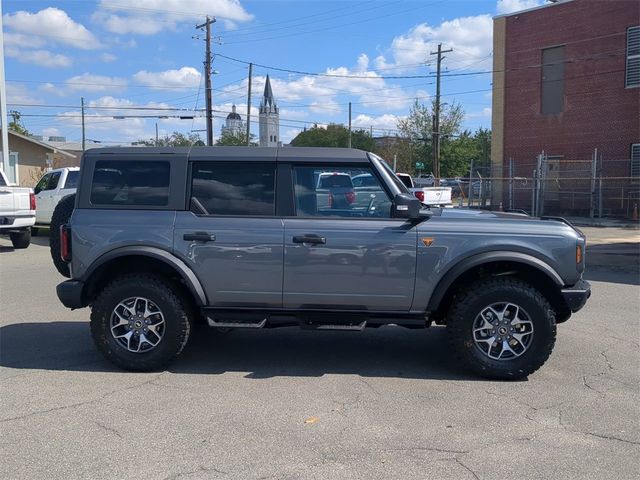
(50, 189)
(17, 212)
(432, 196)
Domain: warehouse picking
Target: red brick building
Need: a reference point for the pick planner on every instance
(567, 81)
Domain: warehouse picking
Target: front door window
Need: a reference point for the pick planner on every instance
(339, 192)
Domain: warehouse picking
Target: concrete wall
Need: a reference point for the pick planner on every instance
(497, 107)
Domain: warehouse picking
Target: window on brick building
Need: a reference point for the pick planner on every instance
(635, 160)
(632, 78)
(552, 91)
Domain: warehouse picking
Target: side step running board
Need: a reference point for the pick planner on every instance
(213, 323)
(323, 326)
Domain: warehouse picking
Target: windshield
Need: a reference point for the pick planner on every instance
(396, 181)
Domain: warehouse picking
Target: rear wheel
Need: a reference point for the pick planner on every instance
(61, 215)
(501, 328)
(21, 239)
(140, 322)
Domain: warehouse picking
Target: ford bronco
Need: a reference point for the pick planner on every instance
(158, 239)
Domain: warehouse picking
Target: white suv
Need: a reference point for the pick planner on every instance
(53, 187)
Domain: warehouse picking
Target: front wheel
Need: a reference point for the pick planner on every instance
(501, 328)
(140, 322)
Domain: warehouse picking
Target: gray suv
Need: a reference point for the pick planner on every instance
(157, 240)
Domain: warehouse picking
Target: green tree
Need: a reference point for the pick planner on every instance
(176, 139)
(417, 128)
(16, 123)
(334, 135)
(239, 140)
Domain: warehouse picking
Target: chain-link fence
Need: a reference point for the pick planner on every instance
(551, 185)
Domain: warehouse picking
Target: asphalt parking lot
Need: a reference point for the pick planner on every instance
(291, 404)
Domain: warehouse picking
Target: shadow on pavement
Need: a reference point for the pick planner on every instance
(614, 262)
(384, 352)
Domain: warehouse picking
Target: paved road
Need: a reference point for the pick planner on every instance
(378, 404)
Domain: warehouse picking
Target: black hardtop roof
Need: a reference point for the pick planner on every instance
(286, 154)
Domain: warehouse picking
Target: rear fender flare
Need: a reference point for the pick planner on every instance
(189, 277)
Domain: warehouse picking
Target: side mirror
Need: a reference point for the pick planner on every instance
(406, 205)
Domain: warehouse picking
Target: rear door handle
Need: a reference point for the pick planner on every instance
(310, 238)
(203, 237)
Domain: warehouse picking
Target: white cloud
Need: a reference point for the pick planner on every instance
(510, 6)
(469, 37)
(380, 124)
(18, 93)
(21, 40)
(54, 25)
(42, 58)
(50, 132)
(186, 77)
(108, 57)
(149, 17)
(484, 113)
(88, 82)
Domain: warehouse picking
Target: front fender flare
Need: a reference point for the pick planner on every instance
(488, 257)
(189, 277)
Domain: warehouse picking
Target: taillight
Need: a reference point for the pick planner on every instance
(420, 195)
(330, 200)
(65, 243)
(350, 196)
(32, 201)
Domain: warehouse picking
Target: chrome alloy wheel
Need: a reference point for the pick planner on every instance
(503, 331)
(137, 324)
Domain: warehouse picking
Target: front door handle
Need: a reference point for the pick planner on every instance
(203, 237)
(310, 238)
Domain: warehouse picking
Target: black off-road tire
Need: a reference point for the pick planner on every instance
(61, 215)
(175, 309)
(21, 239)
(475, 297)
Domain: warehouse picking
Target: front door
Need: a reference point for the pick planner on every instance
(230, 237)
(342, 250)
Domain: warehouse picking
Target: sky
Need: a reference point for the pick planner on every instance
(140, 63)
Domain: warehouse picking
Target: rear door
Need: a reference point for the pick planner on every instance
(347, 254)
(230, 235)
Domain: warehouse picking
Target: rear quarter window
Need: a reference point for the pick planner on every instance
(127, 182)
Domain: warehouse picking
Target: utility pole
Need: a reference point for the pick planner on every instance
(4, 161)
(349, 124)
(249, 106)
(83, 131)
(207, 76)
(436, 123)
(157, 134)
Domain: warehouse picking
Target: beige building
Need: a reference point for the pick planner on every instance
(30, 158)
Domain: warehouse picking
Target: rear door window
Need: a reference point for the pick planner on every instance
(233, 188)
(72, 179)
(130, 182)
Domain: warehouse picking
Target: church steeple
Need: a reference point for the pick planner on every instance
(269, 118)
(268, 103)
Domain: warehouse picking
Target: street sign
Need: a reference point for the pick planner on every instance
(419, 165)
